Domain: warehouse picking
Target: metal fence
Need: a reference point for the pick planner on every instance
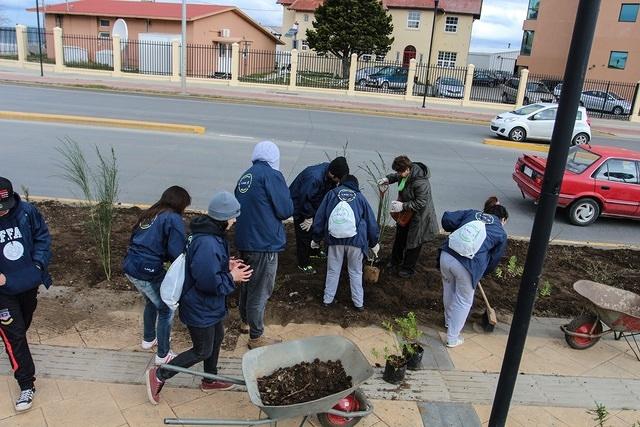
(8, 43)
(265, 66)
(441, 82)
(46, 43)
(327, 71)
(381, 77)
(146, 57)
(87, 52)
(209, 61)
(488, 85)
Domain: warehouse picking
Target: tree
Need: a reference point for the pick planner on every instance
(3, 19)
(344, 27)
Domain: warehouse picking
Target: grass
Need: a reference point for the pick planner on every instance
(91, 65)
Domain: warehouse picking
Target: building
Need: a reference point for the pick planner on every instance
(615, 54)
(494, 60)
(412, 22)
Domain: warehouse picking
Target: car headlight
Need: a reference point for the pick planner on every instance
(511, 119)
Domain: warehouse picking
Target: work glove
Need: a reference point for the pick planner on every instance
(306, 224)
(396, 206)
(375, 250)
(383, 184)
(314, 245)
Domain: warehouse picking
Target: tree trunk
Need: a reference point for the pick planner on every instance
(346, 65)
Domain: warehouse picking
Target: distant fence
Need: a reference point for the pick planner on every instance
(46, 46)
(87, 52)
(488, 85)
(381, 77)
(326, 72)
(265, 66)
(8, 43)
(440, 82)
(146, 57)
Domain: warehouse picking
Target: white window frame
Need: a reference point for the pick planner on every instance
(447, 59)
(304, 45)
(412, 20)
(451, 24)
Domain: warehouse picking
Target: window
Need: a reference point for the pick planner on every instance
(451, 24)
(527, 42)
(618, 60)
(294, 44)
(447, 59)
(580, 159)
(59, 21)
(629, 12)
(304, 44)
(413, 19)
(104, 34)
(305, 18)
(548, 114)
(618, 170)
(104, 22)
(532, 11)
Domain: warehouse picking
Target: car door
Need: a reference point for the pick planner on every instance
(541, 124)
(617, 183)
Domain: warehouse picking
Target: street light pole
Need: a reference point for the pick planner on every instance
(39, 38)
(183, 51)
(433, 27)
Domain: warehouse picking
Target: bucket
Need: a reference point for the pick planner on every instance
(371, 274)
(414, 362)
(393, 374)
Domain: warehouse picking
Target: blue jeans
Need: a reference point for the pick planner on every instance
(255, 293)
(155, 312)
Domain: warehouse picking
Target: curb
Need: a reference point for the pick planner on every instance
(101, 121)
(544, 148)
(597, 245)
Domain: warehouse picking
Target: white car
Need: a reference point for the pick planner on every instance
(536, 121)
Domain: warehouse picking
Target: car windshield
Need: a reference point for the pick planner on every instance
(529, 109)
(580, 159)
(386, 71)
(451, 82)
(537, 87)
(616, 97)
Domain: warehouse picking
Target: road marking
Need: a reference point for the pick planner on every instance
(517, 145)
(102, 121)
(235, 136)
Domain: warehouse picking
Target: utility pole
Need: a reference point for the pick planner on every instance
(39, 39)
(183, 51)
(433, 27)
(574, 75)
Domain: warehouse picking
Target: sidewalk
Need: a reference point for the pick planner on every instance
(282, 96)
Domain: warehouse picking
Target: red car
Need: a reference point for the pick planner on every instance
(597, 181)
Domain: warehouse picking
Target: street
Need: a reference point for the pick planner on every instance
(464, 171)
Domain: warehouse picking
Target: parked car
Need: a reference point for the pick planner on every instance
(502, 76)
(363, 74)
(448, 87)
(536, 122)
(485, 79)
(535, 92)
(607, 102)
(389, 78)
(598, 181)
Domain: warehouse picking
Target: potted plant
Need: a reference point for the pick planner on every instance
(395, 366)
(409, 333)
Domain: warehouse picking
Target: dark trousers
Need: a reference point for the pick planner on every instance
(16, 313)
(206, 347)
(255, 293)
(401, 256)
(303, 244)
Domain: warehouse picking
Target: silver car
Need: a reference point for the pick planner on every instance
(606, 102)
(448, 87)
(363, 74)
(536, 92)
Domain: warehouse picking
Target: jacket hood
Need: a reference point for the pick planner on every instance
(206, 225)
(420, 170)
(267, 151)
(351, 183)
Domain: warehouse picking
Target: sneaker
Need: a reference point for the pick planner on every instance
(319, 255)
(215, 385)
(25, 400)
(244, 328)
(308, 269)
(148, 345)
(405, 274)
(164, 360)
(330, 304)
(455, 343)
(359, 309)
(262, 341)
(154, 385)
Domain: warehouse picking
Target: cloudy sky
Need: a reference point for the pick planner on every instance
(499, 27)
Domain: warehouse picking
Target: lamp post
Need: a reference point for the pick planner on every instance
(39, 38)
(183, 51)
(433, 27)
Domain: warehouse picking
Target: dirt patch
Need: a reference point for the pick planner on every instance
(303, 382)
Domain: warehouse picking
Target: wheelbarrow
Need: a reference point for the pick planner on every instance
(345, 408)
(617, 309)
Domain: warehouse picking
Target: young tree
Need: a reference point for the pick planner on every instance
(344, 27)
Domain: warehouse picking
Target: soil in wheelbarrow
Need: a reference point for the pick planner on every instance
(303, 382)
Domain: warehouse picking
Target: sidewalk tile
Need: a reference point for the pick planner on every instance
(484, 412)
(553, 362)
(148, 415)
(629, 417)
(579, 417)
(71, 338)
(32, 418)
(81, 391)
(534, 416)
(608, 370)
(46, 392)
(628, 362)
(6, 401)
(225, 405)
(175, 396)
(363, 332)
(398, 413)
(128, 395)
(115, 338)
(101, 411)
(294, 331)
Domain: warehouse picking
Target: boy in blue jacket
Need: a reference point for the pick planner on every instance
(25, 251)
(210, 275)
(307, 192)
(351, 237)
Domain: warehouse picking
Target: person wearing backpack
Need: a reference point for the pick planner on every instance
(210, 275)
(158, 236)
(347, 224)
(473, 249)
(415, 215)
(307, 192)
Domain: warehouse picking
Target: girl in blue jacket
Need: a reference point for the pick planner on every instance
(210, 275)
(158, 236)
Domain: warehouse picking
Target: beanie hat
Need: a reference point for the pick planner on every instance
(267, 151)
(350, 179)
(223, 206)
(7, 198)
(339, 167)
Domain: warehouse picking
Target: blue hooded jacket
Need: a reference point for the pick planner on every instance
(25, 249)
(308, 190)
(265, 202)
(367, 229)
(152, 243)
(492, 249)
(207, 279)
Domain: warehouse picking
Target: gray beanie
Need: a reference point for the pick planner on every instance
(223, 206)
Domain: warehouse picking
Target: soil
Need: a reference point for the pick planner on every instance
(298, 297)
(303, 382)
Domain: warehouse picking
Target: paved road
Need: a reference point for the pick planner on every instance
(464, 171)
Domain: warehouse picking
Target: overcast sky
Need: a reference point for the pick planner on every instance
(500, 25)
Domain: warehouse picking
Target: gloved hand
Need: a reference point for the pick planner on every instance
(375, 250)
(306, 224)
(383, 184)
(396, 206)
(314, 245)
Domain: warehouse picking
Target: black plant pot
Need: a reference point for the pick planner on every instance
(414, 362)
(395, 370)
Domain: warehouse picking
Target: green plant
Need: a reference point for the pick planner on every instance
(600, 414)
(598, 271)
(376, 169)
(25, 192)
(513, 268)
(499, 273)
(99, 188)
(545, 290)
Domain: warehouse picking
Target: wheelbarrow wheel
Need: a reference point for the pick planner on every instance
(583, 325)
(347, 404)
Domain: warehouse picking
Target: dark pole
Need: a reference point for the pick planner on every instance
(39, 38)
(433, 27)
(574, 74)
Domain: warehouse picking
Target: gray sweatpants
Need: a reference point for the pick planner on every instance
(457, 294)
(255, 293)
(335, 257)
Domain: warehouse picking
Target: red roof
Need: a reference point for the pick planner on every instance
(465, 7)
(306, 5)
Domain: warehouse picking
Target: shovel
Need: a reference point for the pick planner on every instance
(489, 319)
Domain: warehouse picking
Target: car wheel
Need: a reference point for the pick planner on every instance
(617, 110)
(362, 82)
(505, 98)
(385, 85)
(579, 139)
(518, 134)
(584, 212)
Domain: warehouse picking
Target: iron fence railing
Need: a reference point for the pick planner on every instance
(326, 71)
(209, 61)
(381, 77)
(8, 43)
(146, 57)
(265, 66)
(46, 44)
(488, 85)
(87, 51)
(442, 82)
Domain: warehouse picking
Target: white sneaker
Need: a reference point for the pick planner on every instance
(168, 358)
(25, 400)
(455, 343)
(148, 345)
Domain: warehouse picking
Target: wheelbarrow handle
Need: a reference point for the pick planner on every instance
(356, 414)
(237, 381)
